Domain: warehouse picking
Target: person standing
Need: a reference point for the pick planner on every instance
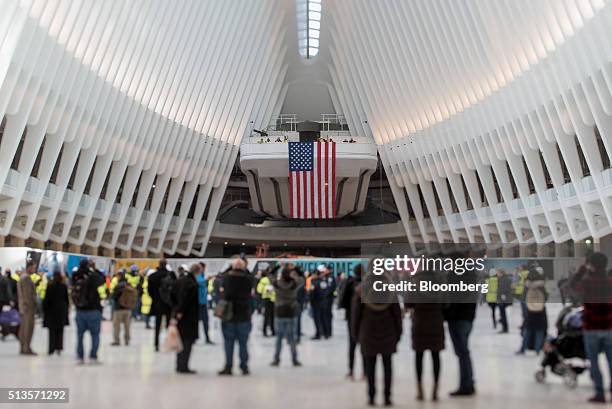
(124, 298)
(345, 302)
(491, 296)
(186, 314)
(84, 290)
(268, 296)
(504, 298)
(459, 316)
(318, 299)
(286, 288)
(27, 308)
(160, 289)
(427, 334)
(203, 300)
(378, 328)
(6, 296)
(236, 291)
(55, 312)
(594, 284)
(328, 303)
(536, 321)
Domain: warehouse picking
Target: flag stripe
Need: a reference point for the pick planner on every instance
(326, 181)
(318, 170)
(292, 195)
(333, 179)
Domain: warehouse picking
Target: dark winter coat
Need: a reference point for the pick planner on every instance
(377, 327)
(55, 305)
(428, 327)
(237, 289)
(286, 303)
(187, 304)
(154, 282)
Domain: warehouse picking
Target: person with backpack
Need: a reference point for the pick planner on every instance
(55, 312)
(594, 285)
(85, 297)
(124, 297)
(160, 286)
(286, 288)
(536, 321)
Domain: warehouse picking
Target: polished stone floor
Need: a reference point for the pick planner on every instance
(137, 377)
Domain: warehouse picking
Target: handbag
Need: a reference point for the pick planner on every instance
(224, 310)
(10, 318)
(172, 342)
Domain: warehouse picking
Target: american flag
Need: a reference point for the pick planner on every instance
(312, 171)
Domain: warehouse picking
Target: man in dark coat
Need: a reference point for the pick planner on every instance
(346, 302)
(55, 310)
(237, 291)
(187, 313)
(460, 315)
(159, 308)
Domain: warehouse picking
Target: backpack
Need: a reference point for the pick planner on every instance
(128, 297)
(535, 299)
(80, 291)
(166, 289)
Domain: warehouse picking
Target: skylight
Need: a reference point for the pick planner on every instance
(309, 27)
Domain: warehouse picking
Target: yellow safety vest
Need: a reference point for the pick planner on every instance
(146, 300)
(492, 290)
(520, 285)
(41, 289)
(133, 280)
(266, 290)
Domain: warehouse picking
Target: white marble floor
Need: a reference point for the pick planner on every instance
(137, 377)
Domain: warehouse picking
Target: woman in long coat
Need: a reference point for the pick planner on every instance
(377, 325)
(55, 310)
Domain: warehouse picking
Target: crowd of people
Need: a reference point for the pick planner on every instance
(184, 298)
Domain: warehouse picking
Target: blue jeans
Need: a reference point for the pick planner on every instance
(232, 332)
(285, 328)
(538, 339)
(596, 342)
(460, 332)
(88, 320)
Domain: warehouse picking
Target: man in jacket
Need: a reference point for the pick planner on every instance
(85, 282)
(27, 309)
(285, 308)
(159, 307)
(594, 284)
(122, 313)
(186, 312)
(236, 291)
(460, 318)
(266, 290)
(5, 290)
(504, 297)
(203, 300)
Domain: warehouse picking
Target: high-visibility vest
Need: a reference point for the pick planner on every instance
(102, 291)
(113, 283)
(133, 280)
(492, 290)
(41, 289)
(145, 299)
(265, 288)
(519, 288)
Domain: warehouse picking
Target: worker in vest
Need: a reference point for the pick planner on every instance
(268, 297)
(491, 296)
(145, 300)
(135, 280)
(519, 289)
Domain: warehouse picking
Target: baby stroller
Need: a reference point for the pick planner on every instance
(9, 322)
(564, 355)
